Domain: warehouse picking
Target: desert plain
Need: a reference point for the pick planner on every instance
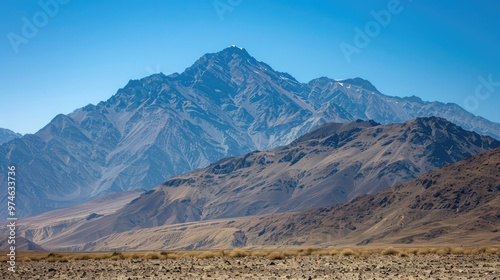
(345, 263)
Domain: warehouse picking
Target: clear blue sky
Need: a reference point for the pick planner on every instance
(84, 51)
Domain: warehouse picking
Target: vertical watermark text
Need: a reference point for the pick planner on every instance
(11, 217)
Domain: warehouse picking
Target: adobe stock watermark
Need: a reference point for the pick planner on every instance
(31, 26)
(363, 37)
(150, 70)
(223, 6)
(483, 91)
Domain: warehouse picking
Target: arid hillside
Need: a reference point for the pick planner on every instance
(330, 165)
(457, 204)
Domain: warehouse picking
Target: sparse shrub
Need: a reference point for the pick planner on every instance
(135, 256)
(292, 253)
(306, 252)
(53, 257)
(24, 259)
(359, 252)
(322, 252)
(36, 258)
(333, 252)
(170, 255)
(389, 252)
(366, 252)
(424, 251)
(188, 254)
(57, 259)
(117, 256)
(208, 255)
(100, 256)
(276, 256)
(443, 251)
(413, 251)
(82, 257)
(347, 252)
(259, 253)
(482, 250)
(497, 251)
(152, 256)
(493, 251)
(237, 253)
(458, 251)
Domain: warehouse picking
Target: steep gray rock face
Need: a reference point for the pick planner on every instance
(226, 104)
(7, 135)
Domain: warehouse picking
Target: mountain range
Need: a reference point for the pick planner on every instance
(333, 164)
(226, 104)
(459, 202)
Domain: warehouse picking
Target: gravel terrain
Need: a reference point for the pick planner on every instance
(482, 266)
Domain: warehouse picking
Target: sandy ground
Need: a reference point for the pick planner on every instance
(304, 267)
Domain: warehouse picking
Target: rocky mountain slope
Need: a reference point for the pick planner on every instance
(22, 244)
(330, 165)
(225, 104)
(62, 221)
(458, 204)
(6, 135)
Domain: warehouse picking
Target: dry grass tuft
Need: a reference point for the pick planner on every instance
(117, 256)
(493, 250)
(276, 256)
(82, 258)
(390, 252)
(334, 252)
(169, 255)
(348, 252)
(443, 251)
(53, 257)
(238, 253)
(152, 256)
(259, 253)
(412, 251)
(306, 252)
(134, 256)
(209, 255)
(424, 251)
(27, 256)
